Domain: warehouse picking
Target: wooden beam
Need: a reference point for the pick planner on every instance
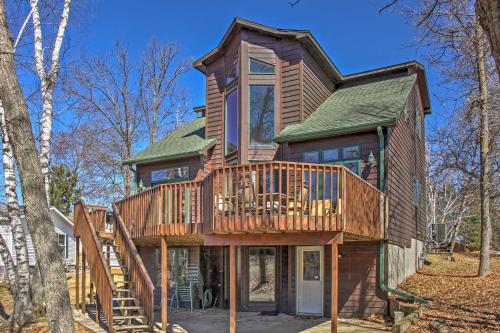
(289, 283)
(77, 273)
(232, 289)
(335, 287)
(275, 239)
(83, 283)
(164, 284)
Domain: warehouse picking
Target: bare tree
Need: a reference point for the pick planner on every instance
(488, 12)
(118, 102)
(40, 226)
(159, 97)
(103, 93)
(484, 137)
(450, 33)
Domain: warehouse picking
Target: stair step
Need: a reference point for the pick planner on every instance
(131, 317)
(119, 299)
(123, 290)
(131, 327)
(130, 307)
(123, 281)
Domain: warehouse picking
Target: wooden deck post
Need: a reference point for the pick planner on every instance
(335, 287)
(77, 274)
(232, 289)
(164, 284)
(289, 281)
(83, 283)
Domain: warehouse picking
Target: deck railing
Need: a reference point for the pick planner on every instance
(276, 196)
(98, 216)
(143, 286)
(365, 208)
(99, 272)
(167, 209)
(260, 197)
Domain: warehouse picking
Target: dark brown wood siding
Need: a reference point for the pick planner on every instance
(317, 86)
(291, 82)
(215, 110)
(368, 141)
(144, 170)
(359, 292)
(405, 159)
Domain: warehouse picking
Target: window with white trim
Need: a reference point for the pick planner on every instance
(62, 241)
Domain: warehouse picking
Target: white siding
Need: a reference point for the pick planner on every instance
(61, 225)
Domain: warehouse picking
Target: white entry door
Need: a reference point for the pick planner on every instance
(310, 280)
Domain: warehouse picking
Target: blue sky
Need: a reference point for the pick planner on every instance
(353, 33)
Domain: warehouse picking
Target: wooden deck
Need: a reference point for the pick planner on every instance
(274, 197)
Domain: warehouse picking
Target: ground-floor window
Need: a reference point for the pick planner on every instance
(262, 274)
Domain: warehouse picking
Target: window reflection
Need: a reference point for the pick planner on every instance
(261, 115)
(262, 274)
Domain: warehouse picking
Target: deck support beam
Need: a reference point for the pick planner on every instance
(335, 287)
(232, 289)
(77, 274)
(84, 307)
(164, 284)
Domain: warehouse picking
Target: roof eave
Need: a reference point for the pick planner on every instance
(331, 133)
(170, 157)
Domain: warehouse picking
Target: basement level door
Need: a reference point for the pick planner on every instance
(310, 280)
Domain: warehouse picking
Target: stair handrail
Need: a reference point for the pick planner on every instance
(100, 273)
(144, 287)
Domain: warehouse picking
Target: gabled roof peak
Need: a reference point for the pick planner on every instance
(304, 36)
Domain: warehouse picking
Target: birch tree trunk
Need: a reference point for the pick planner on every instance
(22, 306)
(10, 269)
(47, 81)
(484, 177)
(32, 184)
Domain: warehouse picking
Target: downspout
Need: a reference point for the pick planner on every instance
(382, 285)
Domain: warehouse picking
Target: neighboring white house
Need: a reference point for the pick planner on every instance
(64, 229)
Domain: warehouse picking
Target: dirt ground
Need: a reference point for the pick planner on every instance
(216, 320)
(460, 299)
(40, 325)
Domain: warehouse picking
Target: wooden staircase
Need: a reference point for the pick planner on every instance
(123, 294)
(128, 312)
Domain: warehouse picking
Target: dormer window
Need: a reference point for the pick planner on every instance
(260, 67)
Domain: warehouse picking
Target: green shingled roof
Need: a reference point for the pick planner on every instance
(353, 108)
(185, 141)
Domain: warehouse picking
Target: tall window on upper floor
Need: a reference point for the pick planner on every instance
(261, 129)
(231, 122)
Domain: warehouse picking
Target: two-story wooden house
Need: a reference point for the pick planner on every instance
(296, 189)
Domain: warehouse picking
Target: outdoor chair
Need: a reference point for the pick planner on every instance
(185, 294)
